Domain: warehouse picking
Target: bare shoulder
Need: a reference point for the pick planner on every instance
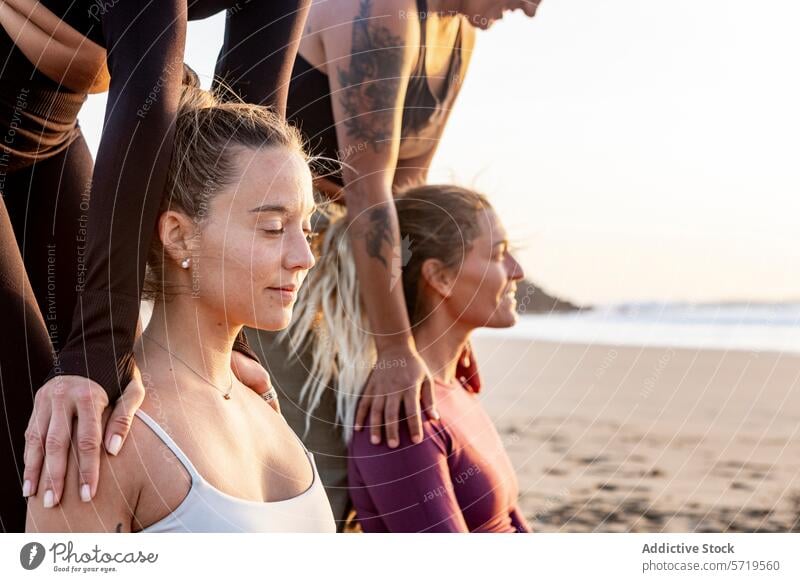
(111, 508)
(344, 21)
(163, 481)
(332, 11)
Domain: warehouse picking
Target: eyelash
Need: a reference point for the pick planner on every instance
(310, 236)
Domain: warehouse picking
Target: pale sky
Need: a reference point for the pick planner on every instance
(636, 150)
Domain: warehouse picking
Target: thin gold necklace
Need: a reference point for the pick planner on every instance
(225, 395)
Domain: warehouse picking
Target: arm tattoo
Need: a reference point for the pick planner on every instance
(371, 83)
(378, 231)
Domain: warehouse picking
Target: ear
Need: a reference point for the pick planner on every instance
(438, 277)
(176, 231)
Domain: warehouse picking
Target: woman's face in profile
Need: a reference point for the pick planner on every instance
(484, 13)
(483, 293)
(252, 252)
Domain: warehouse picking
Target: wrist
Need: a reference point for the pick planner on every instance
(396, 344)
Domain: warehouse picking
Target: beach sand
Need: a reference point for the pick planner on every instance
(652, 439)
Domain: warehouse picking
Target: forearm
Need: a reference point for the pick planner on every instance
(146, 64)
(375, 241)
(261, 42)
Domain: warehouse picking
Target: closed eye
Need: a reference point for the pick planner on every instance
(310, 235)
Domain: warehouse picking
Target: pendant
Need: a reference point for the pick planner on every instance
(226, 396)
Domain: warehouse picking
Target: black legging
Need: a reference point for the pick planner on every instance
(44, 208)
(42, 211)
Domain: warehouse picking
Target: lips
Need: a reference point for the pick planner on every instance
(286, 293)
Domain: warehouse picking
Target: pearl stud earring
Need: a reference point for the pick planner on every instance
(185, 262)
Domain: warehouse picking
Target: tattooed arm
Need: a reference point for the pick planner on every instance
(370, 54)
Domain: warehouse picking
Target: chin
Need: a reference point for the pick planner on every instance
(501, 319)
(273, 322)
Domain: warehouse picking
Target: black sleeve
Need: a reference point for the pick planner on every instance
(261, 41)
(145, 43)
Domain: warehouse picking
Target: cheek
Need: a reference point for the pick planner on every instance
(490, 282)
(477, 290)
(234, 269)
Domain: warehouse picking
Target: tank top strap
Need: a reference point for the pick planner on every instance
(422, 14)
(418, 80)
(171, 445)
(299, 440)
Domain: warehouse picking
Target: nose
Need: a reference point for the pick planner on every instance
(298, 255)
(515, 271)
(529, 7)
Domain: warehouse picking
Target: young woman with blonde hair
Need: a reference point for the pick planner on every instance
(207, 454)
(457, 275)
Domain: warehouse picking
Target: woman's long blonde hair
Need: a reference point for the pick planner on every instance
(330, 322)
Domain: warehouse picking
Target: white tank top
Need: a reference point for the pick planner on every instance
(207, 509)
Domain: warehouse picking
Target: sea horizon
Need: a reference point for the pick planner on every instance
(740, 326)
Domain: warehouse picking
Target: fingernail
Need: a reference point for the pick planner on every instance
(375, 440)
(115, 445)
(49, 499)
(416, 439)
(435, 414)
(393, 443)
(86, 492)
(26, 488)
(357, 427)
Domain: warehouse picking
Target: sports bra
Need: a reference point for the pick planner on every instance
(207, 509)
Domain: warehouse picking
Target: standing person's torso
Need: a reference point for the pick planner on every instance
(443, 58)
